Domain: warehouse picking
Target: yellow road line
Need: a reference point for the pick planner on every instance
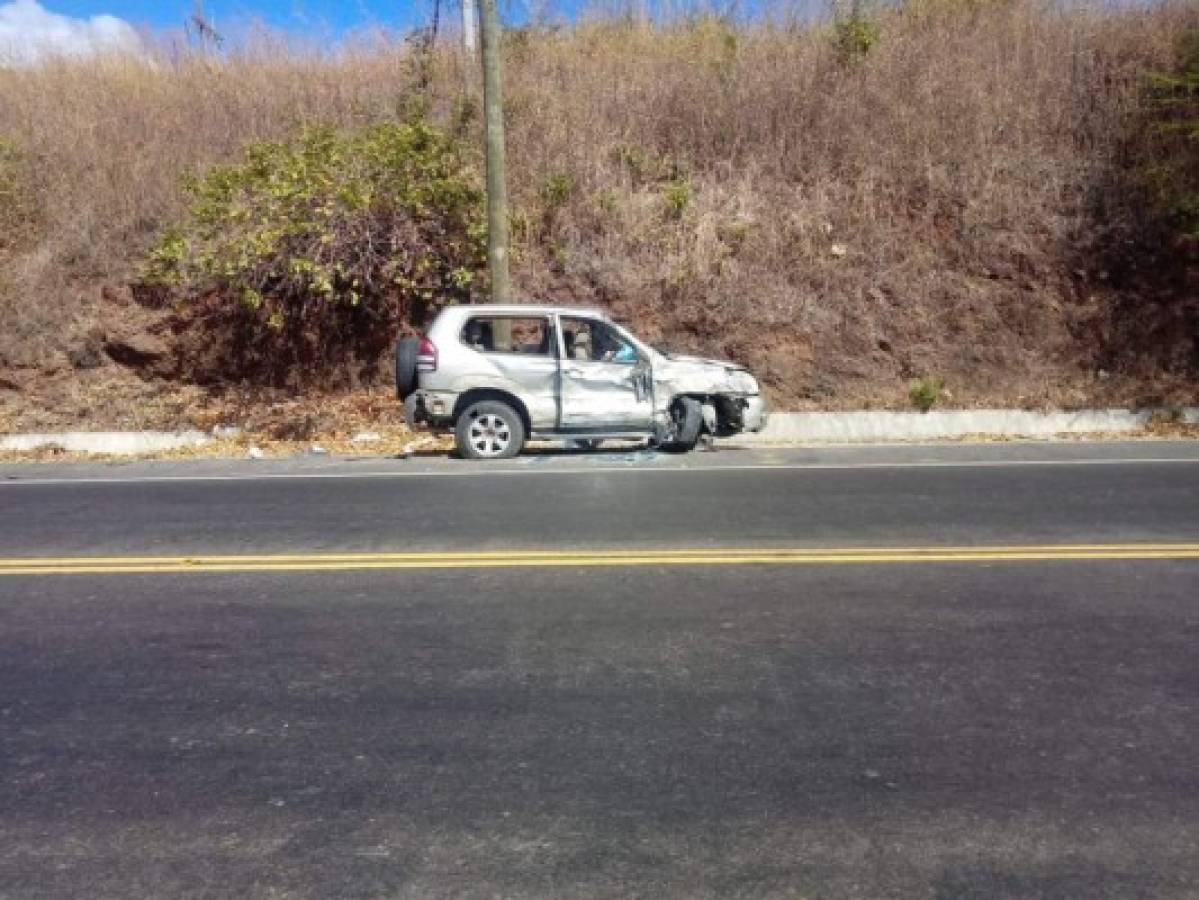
(577, 553)
(500, 559)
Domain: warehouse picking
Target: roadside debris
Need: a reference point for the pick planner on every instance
(423, 443)
(637, 456)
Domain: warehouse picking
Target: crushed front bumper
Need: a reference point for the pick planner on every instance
(755, 413)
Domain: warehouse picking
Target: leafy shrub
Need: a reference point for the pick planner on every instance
(855, 35)
(310, 254)
(925, 392)
(677, 196)
(557, 190)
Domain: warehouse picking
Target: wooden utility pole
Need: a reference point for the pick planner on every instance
(493, 115)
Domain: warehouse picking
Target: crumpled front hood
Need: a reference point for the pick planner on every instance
(694, 374)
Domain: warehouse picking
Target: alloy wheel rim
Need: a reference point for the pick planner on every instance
(489, 435)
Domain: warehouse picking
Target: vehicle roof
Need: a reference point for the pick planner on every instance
(522, 309)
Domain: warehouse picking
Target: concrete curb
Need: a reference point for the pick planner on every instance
(878, 427)
(783, 429)
(117, 443)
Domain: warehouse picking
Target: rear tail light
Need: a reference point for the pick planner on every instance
(426, 356)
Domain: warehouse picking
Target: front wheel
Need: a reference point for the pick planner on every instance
(688, 416)
(489, 429)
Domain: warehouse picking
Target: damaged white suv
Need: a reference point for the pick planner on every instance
(498, 375)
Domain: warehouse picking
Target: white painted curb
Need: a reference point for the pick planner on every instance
(878, 427)
(782, 429)
(117, 443)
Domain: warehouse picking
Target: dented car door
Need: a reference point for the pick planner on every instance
(605, 382)
(519, 354)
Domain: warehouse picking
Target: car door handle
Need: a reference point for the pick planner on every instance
(571, 370)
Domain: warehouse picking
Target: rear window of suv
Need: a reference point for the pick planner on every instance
(531, 335)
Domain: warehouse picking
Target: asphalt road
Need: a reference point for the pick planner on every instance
(863, 497)
(852, 720)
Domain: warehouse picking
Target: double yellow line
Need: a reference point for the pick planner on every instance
(506, 559)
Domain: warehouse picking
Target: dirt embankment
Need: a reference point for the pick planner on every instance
(964, 200)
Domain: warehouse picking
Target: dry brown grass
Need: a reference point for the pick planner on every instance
(842, 227)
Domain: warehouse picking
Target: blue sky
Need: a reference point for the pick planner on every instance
(301, 16)
(335, 16)
(31, 30)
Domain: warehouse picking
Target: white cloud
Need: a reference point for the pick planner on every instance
(29, 33)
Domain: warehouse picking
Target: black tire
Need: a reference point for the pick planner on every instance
(406, 378)
(688, 423)
(489, 429)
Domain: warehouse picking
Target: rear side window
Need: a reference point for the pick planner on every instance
(532, 335)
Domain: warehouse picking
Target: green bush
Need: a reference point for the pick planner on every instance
(310, 254)
(557, 190)
(677, 196)
(856, 34)
(925, 392)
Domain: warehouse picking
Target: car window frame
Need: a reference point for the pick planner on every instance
(554, 352)
(592, 322)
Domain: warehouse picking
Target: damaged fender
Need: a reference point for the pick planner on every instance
(730, 394)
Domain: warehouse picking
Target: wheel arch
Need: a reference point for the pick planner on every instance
(475, 395)
(728, 414)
